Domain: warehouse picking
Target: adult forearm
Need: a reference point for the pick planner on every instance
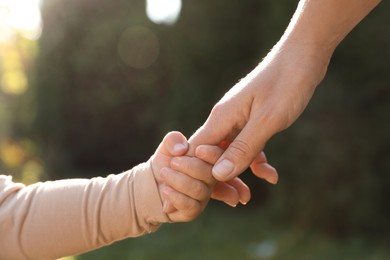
(304, 51)
(320, 25)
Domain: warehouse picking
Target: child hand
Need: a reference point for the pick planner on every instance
(189, 187)
(184, 183)
(175, 144)
(187, 195)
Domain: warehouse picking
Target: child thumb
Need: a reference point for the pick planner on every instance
(174, 144)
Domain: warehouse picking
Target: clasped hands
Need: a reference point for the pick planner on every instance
(268, 100)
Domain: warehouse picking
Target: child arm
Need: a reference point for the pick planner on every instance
(67, 217)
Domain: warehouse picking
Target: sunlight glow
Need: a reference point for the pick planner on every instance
(163, 11)
(20, 16)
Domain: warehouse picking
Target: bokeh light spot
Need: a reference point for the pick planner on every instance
(14, 82)
(163, 12)
(12, 154)
(138, 47)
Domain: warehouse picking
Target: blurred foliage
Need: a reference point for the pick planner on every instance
(95, 107)
(18, 153)
(227, 233)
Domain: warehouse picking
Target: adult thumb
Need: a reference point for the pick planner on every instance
(240, 153)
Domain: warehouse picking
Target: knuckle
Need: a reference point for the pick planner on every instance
(199, 191)
(174, 199)
(193, 211)
(185, 168)
(240, 149)
(217, 114)
(216, 110)
(210, 181)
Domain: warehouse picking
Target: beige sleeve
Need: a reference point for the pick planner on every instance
(68, 217)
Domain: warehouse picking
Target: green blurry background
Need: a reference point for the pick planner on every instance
(99, 89)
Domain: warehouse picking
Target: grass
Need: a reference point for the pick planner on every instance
(244, 233)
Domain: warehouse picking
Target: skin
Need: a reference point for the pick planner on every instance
(268, 100)
(185, 183)
(274, 94)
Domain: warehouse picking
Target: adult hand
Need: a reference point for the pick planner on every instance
(274, 94)
(235, 190)
(265, 102)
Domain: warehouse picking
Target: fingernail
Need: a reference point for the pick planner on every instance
(223, 169)
(231, 204)
(179, 148)
(273, 179)
(243, 202)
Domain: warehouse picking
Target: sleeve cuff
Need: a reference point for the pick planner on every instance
(148, 201)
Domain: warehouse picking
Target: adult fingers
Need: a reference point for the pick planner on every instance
(262, 169)
(208, 153)
(244, 193)
(241, 152)
(259, 167)
(232, 192)
(212, 132)
(225, 193)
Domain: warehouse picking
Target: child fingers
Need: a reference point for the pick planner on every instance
(173, 144)
(168, 207)
(193, 167)
(208, 153)
(187, 208)
(185, 184)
